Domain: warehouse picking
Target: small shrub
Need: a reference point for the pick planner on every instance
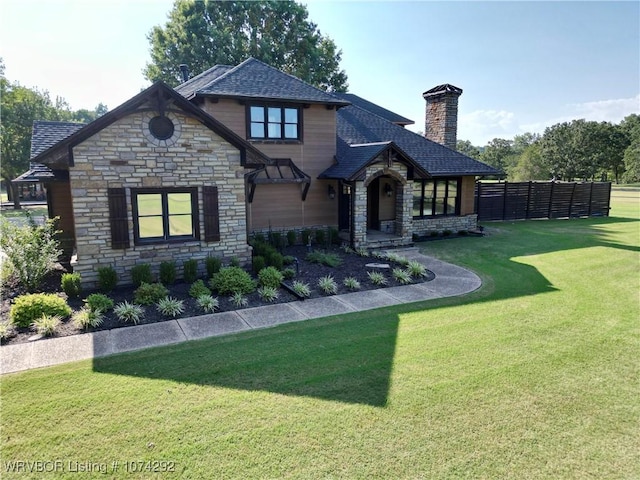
(328, 285)
(319, 234)
(301, 288)
(190, 270)
(292, 236)
(28, 308)
(167, 272)
(149, 293)
(362, 252)
(141, 274)
(351, 283)
(268, 294)
(306, 236)
(446, 233)
(334, 237)
(198, 288)
(170, 307)
(87, 318)
(231, 280)
(377, 278)
(328, 259)
(98, 301)
(395, 258)
(46, 325)
(107, 279)
(270, 277)
(208, 303)
(32, 250)
(347, 249)
(433, 234)
(288, 259)
(275, 239)
(416, 269)
(258, 263)
(213, 265)
(275, 259)
(258, 238)
(462, 233)
(129, 312)
(401, 276)
(288, 273)
(6, 330)
(234, 262)
(239, 300)
(71, 284)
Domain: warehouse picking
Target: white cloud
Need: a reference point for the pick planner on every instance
(481, 126)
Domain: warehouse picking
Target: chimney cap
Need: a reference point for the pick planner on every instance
(442, 90)
(184, 70)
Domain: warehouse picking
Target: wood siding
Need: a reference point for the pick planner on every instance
(281, 206)
(61, 205)
(467, 200)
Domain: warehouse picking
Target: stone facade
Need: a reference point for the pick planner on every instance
(427, 226)
(125, 155)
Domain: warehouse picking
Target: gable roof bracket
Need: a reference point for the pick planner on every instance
(283, 171)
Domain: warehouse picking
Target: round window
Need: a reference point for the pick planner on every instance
(161, 128)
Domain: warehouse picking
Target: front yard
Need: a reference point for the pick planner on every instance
(535, 375)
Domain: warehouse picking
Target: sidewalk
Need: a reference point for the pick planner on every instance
(450, 281)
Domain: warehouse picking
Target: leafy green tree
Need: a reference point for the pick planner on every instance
(530, 165)
(630, 126)
(205, 33)
(499, 153)
(467, 148)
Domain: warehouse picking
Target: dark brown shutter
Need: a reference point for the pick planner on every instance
(211, 214)
(118, 218)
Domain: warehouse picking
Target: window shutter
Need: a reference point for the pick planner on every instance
(118, 218)
(211, 214)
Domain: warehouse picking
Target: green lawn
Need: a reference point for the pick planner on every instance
(536, 375)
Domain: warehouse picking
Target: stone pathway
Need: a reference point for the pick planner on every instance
(450, 281)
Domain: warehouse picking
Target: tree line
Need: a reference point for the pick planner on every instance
(569, 151)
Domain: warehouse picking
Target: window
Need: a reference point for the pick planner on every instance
(274, 123)
(436, 197)
(165, 215)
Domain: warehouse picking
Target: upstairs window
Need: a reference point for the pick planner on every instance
(436, 197)
(274, 123)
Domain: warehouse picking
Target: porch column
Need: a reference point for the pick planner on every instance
(359, 214)
(404, 211)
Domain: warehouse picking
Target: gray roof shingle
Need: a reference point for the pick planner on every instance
(46, 134)
(376, 109)
(257, 80)
(358, 126)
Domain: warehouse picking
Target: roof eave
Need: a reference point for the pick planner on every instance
(336, 103)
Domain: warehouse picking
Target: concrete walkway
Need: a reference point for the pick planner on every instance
(450, 281)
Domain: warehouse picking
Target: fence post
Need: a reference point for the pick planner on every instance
(608, 199)
(571, 200)
(504, 202)
(528, 200)
(590, 199)
(550, 199)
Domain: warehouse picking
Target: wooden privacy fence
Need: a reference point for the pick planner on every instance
(529, 200)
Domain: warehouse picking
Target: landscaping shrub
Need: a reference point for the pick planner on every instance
(268, 294)
(234, 262)
(351, 283)
(70, 284)
(98, 301)
(258, 238)
(319, 234)
(328, 259)
(306, 236)
(208, 303)
(190, 270)
(275, 239)
(416, 269)
(28, 308)
(462, 233)
(288, 259)
(328, 285)
(141, 274)
(239, 300)
(446, 233)
(32, 250)
(231, 280)
(288, 273)
(149, 293)
(401, 276)
(275, 259)
(270, 277)
(46, 325)
(258, 263)
(213, 265)
(377, 278)
(334, 238)
(107, 279)
(292, 236)
(170, 307)
(301, 288)
(198, 288)
(6, 330)
(87, 318)
(167, 272)
(129, 312)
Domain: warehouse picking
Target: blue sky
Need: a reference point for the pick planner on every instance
(523, 66)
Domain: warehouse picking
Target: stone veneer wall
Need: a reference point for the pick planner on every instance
(425, 226)
(125, 155)
(441, 119)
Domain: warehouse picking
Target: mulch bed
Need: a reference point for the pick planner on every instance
(352, 266)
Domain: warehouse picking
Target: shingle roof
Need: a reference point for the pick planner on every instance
(46, 134)
(442, 89)
(358, 126)
(376, 109)
(254, 79)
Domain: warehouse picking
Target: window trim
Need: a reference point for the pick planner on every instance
(167, 238)
(436, 182)
(265, 123)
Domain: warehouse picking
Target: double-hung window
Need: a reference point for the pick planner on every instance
(436, 197)
(274, 123)
(165, 215)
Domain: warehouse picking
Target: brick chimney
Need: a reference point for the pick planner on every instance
(441, 118)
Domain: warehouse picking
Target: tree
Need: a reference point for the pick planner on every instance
(467, 148)
(530, 165)
(498, 153)
(205, 33)
(630, 126)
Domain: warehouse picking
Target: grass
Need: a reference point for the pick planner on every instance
(535, 375)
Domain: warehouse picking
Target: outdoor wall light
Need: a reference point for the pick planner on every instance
(387, 189)
(331, 192)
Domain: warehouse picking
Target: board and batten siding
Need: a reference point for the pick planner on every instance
(280, 206)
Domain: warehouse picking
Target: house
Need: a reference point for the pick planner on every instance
(178, 174)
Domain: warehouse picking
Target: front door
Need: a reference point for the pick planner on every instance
(373, 205)
(344, 206)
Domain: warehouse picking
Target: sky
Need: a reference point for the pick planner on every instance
(523, 66)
